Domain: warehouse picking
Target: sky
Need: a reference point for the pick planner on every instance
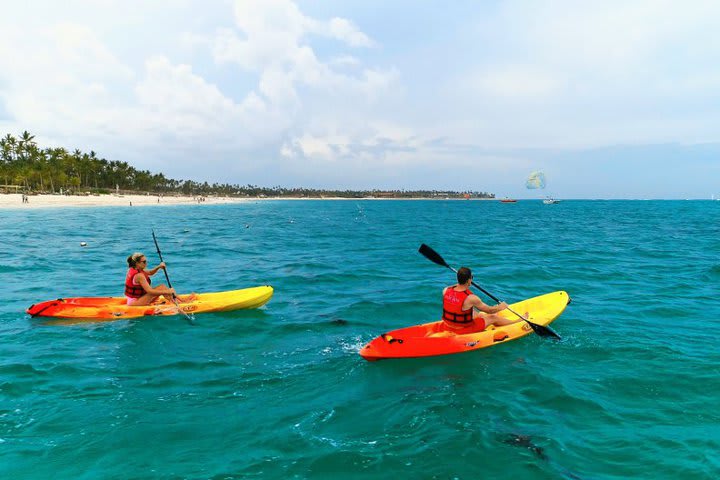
(610, 99)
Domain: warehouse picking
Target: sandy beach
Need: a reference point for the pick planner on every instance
(15, 200)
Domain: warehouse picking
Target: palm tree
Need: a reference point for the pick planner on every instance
(54, 163)
(26, 138)
(9, 150)
(94, 164)
(77, 167)
(6, 149)
(23, 147)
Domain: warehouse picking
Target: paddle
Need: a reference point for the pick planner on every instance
(435, 257)
(174, 297)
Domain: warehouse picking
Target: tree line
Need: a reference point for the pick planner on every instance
(25, 166)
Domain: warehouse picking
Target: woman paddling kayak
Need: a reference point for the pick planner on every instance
(138, 290)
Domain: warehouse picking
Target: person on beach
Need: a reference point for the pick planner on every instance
(138, 290)
(460, 307)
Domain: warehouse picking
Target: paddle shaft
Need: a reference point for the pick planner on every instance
(161, 260)
(174, 297)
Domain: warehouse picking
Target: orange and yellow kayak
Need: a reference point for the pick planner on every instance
(431, 339)
(115, 308)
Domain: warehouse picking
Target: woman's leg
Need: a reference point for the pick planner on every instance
(186, 298)
(146, 299)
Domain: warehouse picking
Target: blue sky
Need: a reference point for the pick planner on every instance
(611, 99)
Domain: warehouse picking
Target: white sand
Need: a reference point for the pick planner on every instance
(14, 200)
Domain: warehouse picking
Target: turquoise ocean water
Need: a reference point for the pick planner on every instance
(631, 392)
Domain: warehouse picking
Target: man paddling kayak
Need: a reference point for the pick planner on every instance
(460, 304)
(137, 282)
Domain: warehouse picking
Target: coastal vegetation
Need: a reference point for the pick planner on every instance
(26, 167)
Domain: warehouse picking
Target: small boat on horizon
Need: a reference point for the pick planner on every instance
(507, 200)
(550, 201)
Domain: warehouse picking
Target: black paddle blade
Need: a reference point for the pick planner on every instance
(544, 331)
(432, 255)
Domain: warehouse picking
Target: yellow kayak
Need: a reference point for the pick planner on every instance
(115, 308)
(433, 338)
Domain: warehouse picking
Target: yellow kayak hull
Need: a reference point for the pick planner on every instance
(116, 308)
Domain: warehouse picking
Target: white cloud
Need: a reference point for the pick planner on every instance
(520, 83)
(343, 29)
(63, 78)
(318, 147)
(176, 89)
(345, 61)
(69, 54)
(273, 40)
(183, 104)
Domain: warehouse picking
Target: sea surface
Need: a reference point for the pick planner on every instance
(632, 390)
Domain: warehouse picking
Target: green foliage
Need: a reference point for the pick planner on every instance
(23, 163)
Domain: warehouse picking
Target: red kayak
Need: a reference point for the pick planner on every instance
(431, 339)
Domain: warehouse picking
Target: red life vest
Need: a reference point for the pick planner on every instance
(132, 290)
(452, 306)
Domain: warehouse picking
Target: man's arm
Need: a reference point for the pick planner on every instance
(483, 307)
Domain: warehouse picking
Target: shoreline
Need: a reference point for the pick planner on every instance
(14, 201)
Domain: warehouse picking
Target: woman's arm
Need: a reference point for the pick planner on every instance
(159, 290)
(153, 271)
